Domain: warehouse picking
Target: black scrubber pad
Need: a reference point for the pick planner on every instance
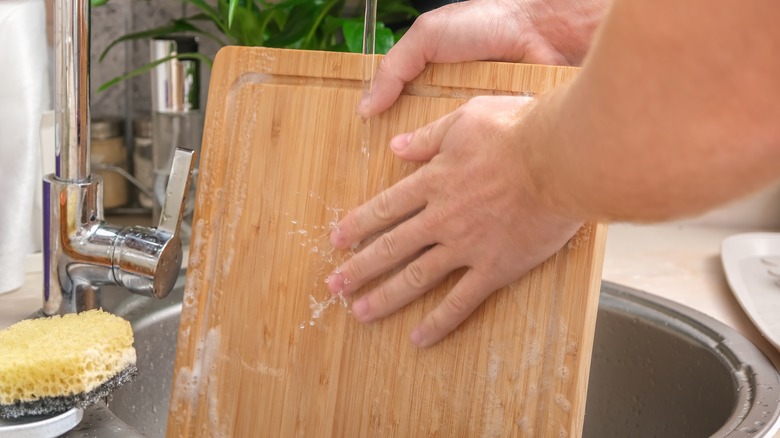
(54, 405)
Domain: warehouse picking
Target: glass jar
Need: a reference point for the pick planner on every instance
(142, 157)
(107, 154)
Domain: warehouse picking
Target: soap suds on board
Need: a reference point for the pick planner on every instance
(493, 409)
(194, 271)
(326, 259)
(194, 382)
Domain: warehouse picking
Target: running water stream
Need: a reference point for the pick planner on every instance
(369, 61)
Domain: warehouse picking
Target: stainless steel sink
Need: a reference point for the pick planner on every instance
(659, 369)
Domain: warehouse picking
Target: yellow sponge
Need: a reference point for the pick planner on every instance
(50, 365)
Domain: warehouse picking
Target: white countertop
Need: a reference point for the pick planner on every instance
(678, 262)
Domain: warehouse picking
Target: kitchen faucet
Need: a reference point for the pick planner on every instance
(81, 252)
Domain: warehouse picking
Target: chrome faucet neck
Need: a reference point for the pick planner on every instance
(71, 60)
(82, 252)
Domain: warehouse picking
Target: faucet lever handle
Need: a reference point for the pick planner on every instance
(176, 192)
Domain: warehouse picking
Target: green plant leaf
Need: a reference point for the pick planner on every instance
(148, 67)
(297, 24)
(384, 39)
(325, 10)
(248, 30)
(307, 24)
(200, 31)
(209, 10)
(175, 27)
(395, 11)
(232, 6)
(98, 2)
(353, 34)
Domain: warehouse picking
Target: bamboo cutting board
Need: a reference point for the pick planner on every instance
(263, 351)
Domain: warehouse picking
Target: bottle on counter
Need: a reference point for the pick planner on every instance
(176, 117)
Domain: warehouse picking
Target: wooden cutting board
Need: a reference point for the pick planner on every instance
(261, 351)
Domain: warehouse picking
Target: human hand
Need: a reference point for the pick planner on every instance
(555, 32)
(469, 207)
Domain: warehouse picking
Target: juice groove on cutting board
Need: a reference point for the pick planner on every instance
(260, 354)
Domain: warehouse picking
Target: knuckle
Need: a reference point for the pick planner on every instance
(436, 218)
(427, 176)
(424, 22)
(381, 299)
(382, 207)
(386, 64)
(434, 324)
(350, 226)
(414, 276)
(423, 135)
(387, 246)
(353, 269)
(456, 305)
(477, 101)
(387, 67)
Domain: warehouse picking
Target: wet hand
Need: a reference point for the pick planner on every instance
(556, 32)
(470, 206)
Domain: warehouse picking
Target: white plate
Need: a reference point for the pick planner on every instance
(747, 259)
(42, 425)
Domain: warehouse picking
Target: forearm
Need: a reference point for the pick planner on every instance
(673, 112)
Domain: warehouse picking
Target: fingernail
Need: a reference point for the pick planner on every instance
(417, 337)
(335, 283)
(360, 309)
(401, 142)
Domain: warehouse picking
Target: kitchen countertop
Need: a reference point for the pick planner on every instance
(676, 261)
(681, 263)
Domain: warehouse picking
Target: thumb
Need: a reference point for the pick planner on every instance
(424, 143)
(401, 64)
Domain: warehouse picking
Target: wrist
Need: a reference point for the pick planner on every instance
(545, 166)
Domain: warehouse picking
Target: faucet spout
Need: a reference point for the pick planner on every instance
(81, 252)
(71, 89)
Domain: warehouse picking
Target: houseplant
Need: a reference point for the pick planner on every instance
(295, 24)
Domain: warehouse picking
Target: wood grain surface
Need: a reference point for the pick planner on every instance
(263, 349)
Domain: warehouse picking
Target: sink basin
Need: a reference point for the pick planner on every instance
(658, 369)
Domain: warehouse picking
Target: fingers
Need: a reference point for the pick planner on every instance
(424, 143)
(472, 289)
(382, 255)
(418, 277)
(399, 66)
(409, 56)
(382, 211)
(402, 199)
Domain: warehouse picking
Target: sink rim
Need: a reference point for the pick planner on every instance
(734, 351)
